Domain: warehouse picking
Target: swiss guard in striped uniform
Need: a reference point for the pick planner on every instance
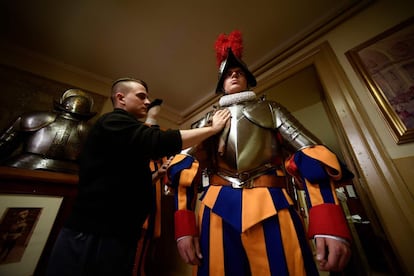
(247, 222)
(151, 229)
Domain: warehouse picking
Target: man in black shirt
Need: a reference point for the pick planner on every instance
(115, 194)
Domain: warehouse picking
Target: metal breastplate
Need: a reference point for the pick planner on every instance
(251, 147)
(54, 147)
(59, 140)
(249, 150)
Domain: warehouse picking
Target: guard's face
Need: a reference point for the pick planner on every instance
(136, 101)
(235, 81)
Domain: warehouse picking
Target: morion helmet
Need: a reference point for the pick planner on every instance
(229, 50)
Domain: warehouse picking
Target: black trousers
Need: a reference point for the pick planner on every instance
(80, 254)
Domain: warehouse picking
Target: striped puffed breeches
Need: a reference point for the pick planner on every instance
(276, 245)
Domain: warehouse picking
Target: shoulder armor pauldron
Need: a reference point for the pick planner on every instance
(261, 113)
(36, 120)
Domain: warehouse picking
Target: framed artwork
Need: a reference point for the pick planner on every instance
(33, 208)
(26, 222)
(385, 63)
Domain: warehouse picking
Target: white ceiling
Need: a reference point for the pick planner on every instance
(169, 44)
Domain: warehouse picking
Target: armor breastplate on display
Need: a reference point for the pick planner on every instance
(54, 143)
(61, 139)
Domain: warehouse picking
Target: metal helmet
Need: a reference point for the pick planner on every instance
(77, 103)
(230, 62)
(229, 50)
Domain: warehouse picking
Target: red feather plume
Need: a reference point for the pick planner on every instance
(233, 40)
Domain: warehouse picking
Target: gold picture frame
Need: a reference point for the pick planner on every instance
(385, 64)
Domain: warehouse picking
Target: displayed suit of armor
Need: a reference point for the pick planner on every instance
(248, 223)
(49, 140)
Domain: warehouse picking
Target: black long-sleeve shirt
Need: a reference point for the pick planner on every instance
(115, 193)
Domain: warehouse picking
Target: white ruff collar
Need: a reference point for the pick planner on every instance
(236, 98)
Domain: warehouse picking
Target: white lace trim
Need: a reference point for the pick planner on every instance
(230, 99)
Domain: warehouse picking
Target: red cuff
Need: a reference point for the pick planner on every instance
(328, 219)
(185, 224)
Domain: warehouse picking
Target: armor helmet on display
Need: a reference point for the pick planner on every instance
(76, 102)
(229, 50)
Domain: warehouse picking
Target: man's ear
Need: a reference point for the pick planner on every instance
(120, 98)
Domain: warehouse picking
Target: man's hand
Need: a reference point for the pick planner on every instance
(162, 170)
(191, 137)
(189, 249)
(332, 254)
(220, 118)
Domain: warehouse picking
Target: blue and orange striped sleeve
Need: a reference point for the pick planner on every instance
(318, 170)
(182, 173)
